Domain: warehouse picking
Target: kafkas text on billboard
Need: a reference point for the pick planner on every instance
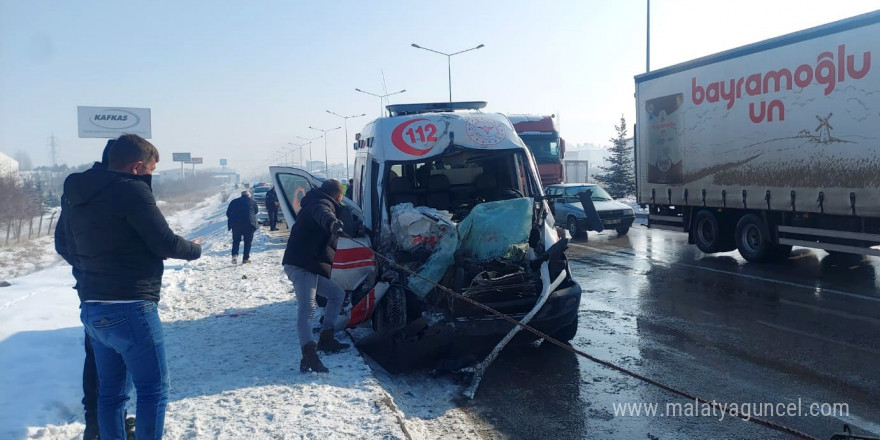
(111, 122)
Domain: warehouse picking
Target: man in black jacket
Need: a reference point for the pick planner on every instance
(117, 239)
(307, 262)
(272, 208)
(241, 215)
(90, 370)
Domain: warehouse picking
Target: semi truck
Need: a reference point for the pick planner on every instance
(541, 136)
(767, 146)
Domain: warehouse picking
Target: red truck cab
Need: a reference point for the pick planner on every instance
(541, 136)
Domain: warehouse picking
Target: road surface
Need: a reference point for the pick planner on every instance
(791, 334)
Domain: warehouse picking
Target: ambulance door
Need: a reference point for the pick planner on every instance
(354, 262)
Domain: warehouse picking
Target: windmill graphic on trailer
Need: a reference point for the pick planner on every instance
(824, 129)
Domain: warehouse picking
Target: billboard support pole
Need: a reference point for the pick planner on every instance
(648, 40)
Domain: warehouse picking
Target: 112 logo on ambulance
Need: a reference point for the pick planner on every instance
(416, 137)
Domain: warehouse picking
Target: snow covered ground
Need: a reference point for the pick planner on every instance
(232, 354)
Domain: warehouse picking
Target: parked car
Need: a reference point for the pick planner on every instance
(260, 194)
(567, 208)
(263, 217)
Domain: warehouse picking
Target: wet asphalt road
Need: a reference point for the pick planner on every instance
(804, 330)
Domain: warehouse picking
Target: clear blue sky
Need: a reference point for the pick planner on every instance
(241, 79)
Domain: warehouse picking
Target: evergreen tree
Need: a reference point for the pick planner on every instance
(619, 177)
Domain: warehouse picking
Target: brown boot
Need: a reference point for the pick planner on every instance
(328, 344)
(310, 360)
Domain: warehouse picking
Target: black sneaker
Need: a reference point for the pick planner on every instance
(92, 432)
(129, 428)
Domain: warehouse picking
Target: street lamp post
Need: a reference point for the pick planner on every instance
(283, 157)
(326, 162)
(345, 124)
(381, 97)
(448, 61)
(308, 166)
(298, 147)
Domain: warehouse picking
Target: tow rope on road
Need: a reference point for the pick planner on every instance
(758, 420)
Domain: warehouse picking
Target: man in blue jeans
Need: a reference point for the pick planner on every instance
(118, 237)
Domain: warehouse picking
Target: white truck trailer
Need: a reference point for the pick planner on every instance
(577, 171)
(767, 146)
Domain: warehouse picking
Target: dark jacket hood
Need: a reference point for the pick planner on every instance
(80, 188)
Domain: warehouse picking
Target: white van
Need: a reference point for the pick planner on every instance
(451, 193)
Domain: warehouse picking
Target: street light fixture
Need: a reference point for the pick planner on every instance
(345, 124)
(448, 61)
(309, 165)
(326, 161)
(381, 97)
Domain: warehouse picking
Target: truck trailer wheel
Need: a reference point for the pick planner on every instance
(709, 235)
(754, 242)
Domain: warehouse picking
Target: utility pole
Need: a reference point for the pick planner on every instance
(648, 41)
(53, 151)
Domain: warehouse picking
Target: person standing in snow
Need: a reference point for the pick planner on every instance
(241, 218)
(90, 370)
(307, 262)
(117, 238)
(272, 208)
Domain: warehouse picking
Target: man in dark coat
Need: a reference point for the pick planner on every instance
(272, 208)
(307, 262)
(117, 239)
(242, 221)
(90, 370)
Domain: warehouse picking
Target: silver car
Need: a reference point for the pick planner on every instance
(568, 211)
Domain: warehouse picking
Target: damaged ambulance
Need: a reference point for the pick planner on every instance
(452, 194)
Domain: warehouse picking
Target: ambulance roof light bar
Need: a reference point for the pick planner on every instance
(433, 107)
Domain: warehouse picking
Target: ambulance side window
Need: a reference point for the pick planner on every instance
(396, 171)
(358, 191)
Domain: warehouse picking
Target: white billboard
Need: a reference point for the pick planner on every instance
(111, 122)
